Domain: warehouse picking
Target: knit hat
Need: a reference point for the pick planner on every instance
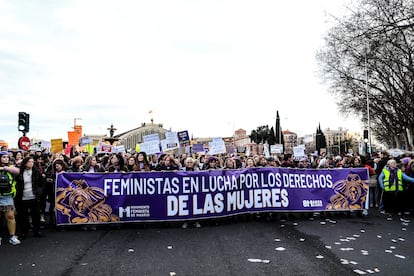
(212, 158)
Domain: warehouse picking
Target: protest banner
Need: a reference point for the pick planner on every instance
(83, 198)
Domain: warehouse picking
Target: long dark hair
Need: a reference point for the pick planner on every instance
(24, 163)
(147, 166)
(62, 163)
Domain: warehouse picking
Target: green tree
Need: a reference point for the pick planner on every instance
(272, 137)
(261, 134)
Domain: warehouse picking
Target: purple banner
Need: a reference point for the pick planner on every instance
(83, 198)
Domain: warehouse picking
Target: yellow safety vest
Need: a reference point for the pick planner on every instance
(391, 187)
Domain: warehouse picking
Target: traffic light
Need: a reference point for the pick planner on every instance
(365, 133)
(23, 123)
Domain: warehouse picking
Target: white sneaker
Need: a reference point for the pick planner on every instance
(0, 240)
(185, 225)
(14, 240)
(197, 224)
(42, 219)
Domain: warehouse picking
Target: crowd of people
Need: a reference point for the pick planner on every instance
(32, 176)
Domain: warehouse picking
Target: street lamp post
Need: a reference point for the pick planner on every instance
(339, 144)
(368, 142)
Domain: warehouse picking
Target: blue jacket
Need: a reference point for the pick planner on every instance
(382, 176)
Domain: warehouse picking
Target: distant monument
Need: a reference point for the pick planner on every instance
(111, 139)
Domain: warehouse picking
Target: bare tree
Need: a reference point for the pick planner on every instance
(368, 55)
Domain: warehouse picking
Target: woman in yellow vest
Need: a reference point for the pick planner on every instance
(391, 182)
(6, 198)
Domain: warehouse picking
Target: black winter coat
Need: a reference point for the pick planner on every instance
(37, 184)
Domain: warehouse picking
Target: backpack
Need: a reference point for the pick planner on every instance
(5, 184)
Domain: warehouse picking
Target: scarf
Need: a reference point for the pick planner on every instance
(393, 177)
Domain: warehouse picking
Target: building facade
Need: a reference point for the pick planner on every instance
(291, 140)
(135, 136)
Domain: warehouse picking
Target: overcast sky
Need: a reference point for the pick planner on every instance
(208, 67)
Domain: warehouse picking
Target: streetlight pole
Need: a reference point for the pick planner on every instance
(339, 145)
(368, 115)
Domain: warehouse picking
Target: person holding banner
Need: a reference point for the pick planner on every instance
(131, 163)
(169, 164)
(272, 162)
(117, 163)
(262, 162)
(142, 163)
(212, 163)
(250, 163)
(204, 161)
(182, 158)
(154, 162)
(304, 163)
(229, 164)
(103, 162)
(58, 166)
(189, 166)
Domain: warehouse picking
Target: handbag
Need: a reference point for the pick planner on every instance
(5, 185)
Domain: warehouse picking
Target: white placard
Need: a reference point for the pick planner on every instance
(151, 147)
(104, 148)
(120, 148)
(299, 151)
(45, 144)
(168, 145)
(278, 148)
(217, 146)
(170, 142)
(266, 150)
(151, 137)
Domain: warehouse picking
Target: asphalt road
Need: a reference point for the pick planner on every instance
(301, 245)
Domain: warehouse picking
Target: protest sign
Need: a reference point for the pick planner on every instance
(83, 198)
